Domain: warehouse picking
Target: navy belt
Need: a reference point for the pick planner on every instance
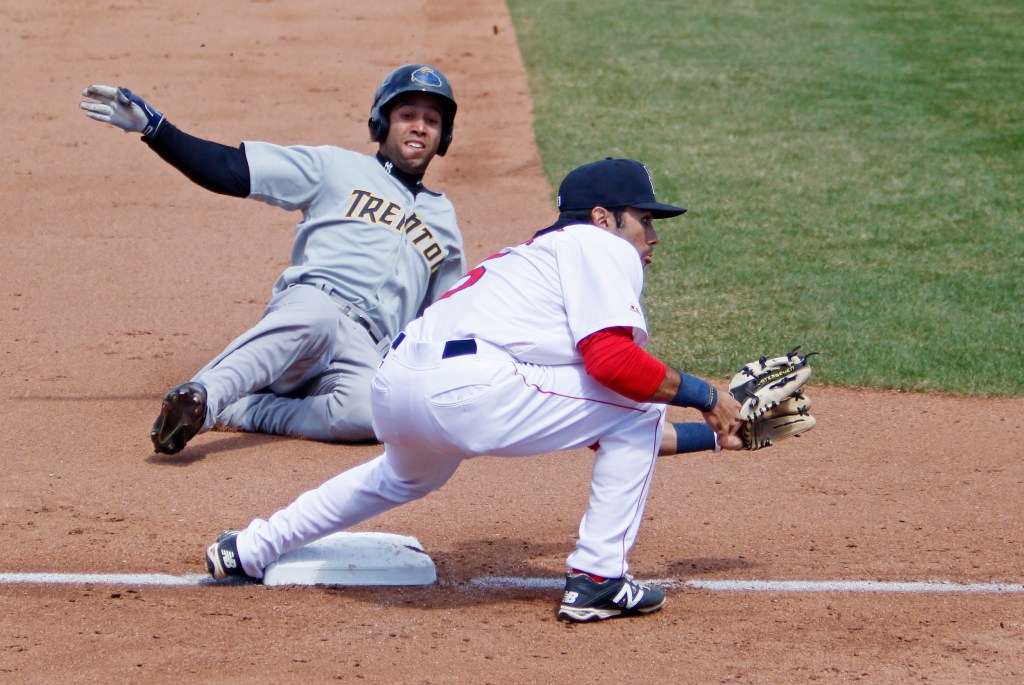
(452, 348)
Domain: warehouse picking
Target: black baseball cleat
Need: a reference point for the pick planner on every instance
(181, 416)
(586, 599)
(222, 558)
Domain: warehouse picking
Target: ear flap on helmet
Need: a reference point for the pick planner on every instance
(378, 128)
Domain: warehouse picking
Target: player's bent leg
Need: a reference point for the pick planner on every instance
(332, 405)
(325, 417)
(293, 342)
(620, 482)
(392, 479)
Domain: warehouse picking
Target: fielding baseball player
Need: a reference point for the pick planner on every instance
(372, 249)
(537, 349)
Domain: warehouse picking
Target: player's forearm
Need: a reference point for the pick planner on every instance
(683, 390)
(684, 438)
(218, 168)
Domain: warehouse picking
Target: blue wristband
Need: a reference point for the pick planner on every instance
(693, 392)
(694, 437)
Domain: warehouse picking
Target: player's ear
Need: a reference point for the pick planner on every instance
(599, 216)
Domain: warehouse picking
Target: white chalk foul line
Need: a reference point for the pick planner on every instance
(103, 579)
(777, 585)
(852, 586)
(512, 582)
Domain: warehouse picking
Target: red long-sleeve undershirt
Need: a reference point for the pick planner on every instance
(616, 362)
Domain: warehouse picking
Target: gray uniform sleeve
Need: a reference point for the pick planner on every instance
(287, 177)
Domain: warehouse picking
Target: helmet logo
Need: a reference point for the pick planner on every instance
(427, 77)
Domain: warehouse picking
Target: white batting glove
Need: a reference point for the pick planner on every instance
(122, 108)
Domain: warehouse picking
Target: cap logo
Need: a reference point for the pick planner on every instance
(650, 179)
(427, 77)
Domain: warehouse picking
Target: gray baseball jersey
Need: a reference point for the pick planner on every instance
(369, 255)
(363, 232)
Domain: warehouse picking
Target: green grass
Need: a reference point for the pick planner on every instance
(854, 173)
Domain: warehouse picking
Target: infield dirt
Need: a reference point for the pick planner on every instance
(121, 279)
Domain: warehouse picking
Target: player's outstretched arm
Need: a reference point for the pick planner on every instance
(122, 108)
(219, 168)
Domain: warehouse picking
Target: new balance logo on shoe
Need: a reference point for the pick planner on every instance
(222, 557)
(227, 558)
(626, 599)
(586, 599)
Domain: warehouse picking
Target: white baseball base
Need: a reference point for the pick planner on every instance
(355, 559)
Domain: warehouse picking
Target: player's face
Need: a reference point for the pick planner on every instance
(638, 229)
(415, 132)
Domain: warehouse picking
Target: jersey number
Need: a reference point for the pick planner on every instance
(472, 277)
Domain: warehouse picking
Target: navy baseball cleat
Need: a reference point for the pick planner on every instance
(181, 416)
(586, 599)
(222, 558)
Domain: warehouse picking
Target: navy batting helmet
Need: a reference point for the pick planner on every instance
(413, 78)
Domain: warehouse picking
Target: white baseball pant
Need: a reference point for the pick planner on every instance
(433, 410)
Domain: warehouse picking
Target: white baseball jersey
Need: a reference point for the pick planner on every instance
(492, 369)
(539, 299)
(383, 249)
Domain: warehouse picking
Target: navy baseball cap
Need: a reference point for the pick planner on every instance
(612, 183)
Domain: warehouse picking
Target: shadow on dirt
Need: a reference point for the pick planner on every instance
(480, 574)
(216, 443)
